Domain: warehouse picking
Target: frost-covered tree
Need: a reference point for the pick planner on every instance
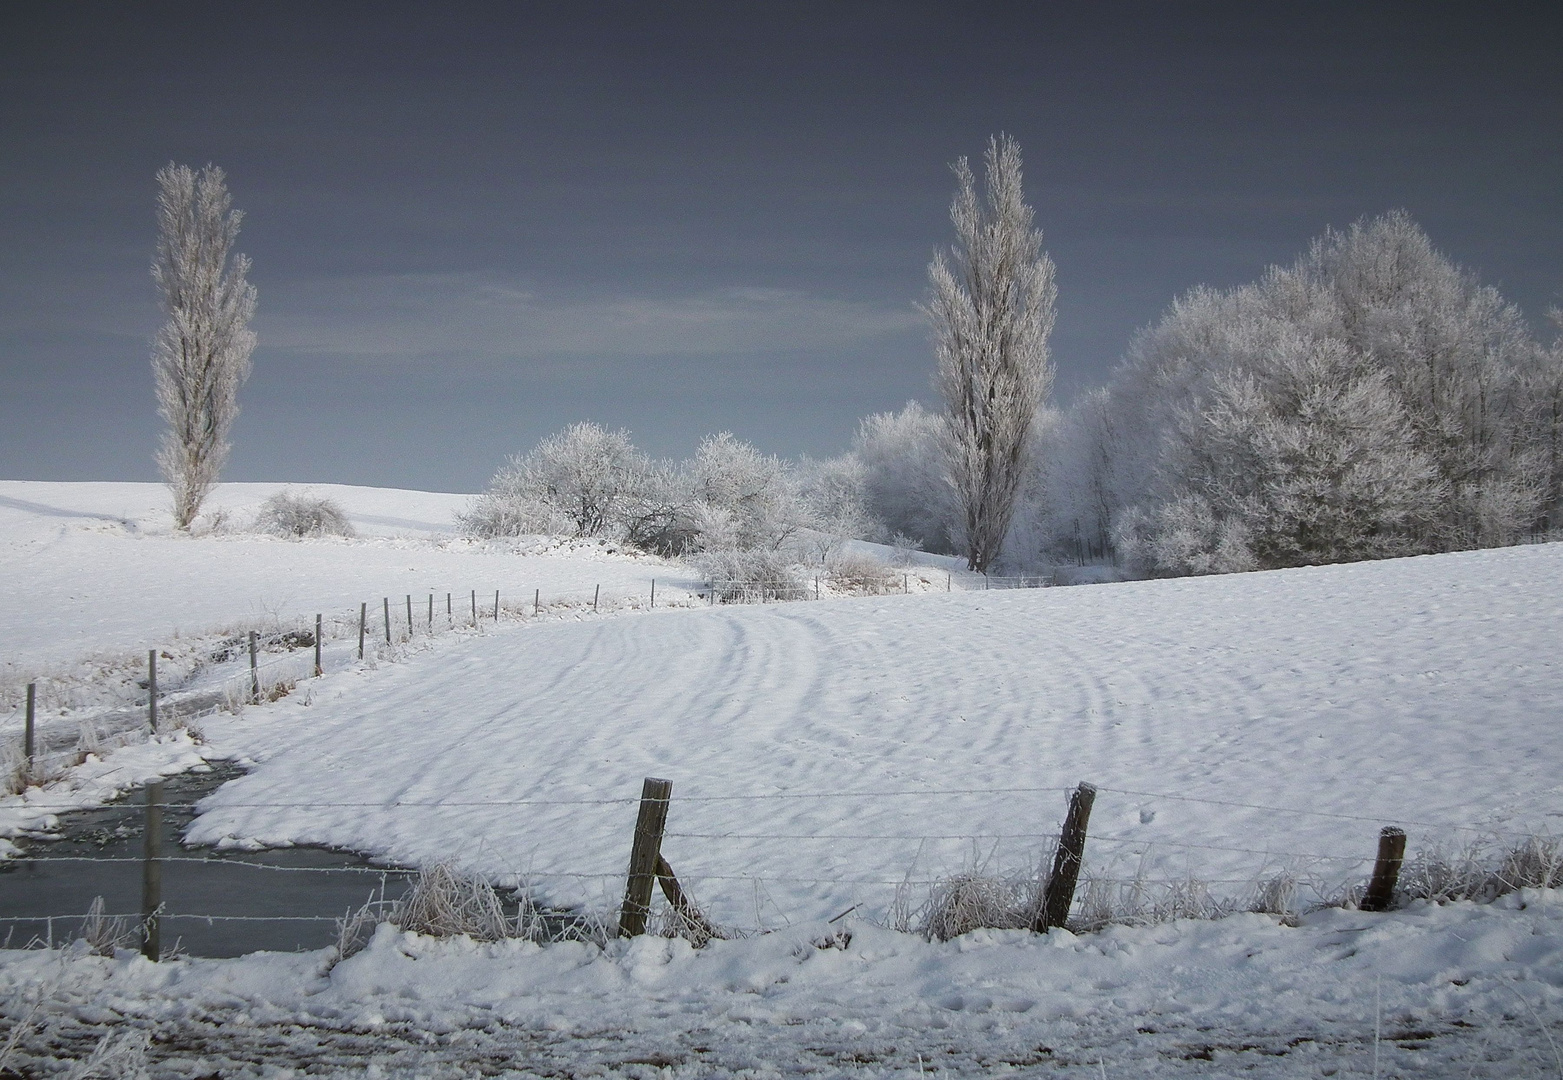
(581, 480)
(906, 487)
(743, 500)
(201, 356)
(1372, 399)
(991, 311)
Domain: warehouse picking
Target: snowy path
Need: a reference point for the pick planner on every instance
(822, 752)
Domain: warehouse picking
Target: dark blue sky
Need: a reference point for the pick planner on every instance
(472, 224)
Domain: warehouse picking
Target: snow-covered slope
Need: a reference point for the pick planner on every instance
(93, 568)
(822, 752)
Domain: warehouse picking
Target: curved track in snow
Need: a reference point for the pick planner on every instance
(888, 737)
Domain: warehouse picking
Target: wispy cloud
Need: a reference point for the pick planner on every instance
(409, 316)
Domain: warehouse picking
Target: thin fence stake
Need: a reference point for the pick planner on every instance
(431, 613)
(906, 584)
(152, 690)
(474, 607)
(27, 741)
(363, 622)
(448, 613)
(152, 874)
(645, 853)
(385, 603)
(319, 671)
(653, 592)
(537, 602)
(816, 586)
(713, 592)
(947, 581)
(1386, 869)
(597, 592)
(1060, 895)
(496, 605)
(254, 669)
(409, 616)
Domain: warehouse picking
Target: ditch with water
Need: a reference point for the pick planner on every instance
(280, 899)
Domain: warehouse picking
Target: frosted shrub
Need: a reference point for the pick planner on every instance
(904, 486)
(970, 902)
(748, 576)
(854, 573)
(286, 514)
(578, 481)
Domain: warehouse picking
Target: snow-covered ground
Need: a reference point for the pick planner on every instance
(843, 755)
(1462, 991)
(97, 568)
(820, 753)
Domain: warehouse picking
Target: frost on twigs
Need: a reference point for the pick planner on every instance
(859, 574)
(103, 934)
(968, 902)
(119, 1055)
(286, 514)
(445, 903)
(1482, 872)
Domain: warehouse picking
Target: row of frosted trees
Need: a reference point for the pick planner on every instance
(1370, 400)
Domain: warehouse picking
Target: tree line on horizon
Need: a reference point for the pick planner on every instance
(1370, 400)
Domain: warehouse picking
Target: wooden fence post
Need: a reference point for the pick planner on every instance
(653, 592)
(254, 670)
(496, 606)
(385, 603)
(152, 689)
(363, 622)
(431, 613)
(449, 613)
(409, 616)
(319, 671)
(597, 592)
(474, 607)
(1386, 869)
(27, 740)
(537, 601)
(644, 855)
(1060, 895)
(152, 874)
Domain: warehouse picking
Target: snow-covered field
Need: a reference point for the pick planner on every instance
(97, 568)
(823, 754)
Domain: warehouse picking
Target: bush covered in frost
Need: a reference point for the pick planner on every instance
(286, 514)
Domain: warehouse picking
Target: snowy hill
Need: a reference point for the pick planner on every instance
(849, 754)
(98, 568)
(823, 752)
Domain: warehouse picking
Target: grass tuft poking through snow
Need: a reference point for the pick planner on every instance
(1482, 871)
(104, 934)
(119, 1055)
(970, 902)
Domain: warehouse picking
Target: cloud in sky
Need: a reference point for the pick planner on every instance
(462, 316)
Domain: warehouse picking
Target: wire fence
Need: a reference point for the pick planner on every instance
(710, 873)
